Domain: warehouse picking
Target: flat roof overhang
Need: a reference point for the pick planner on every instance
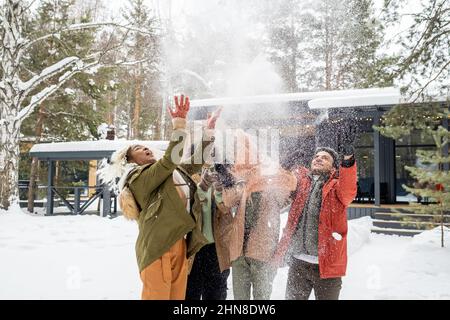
(315, 100)
(86, 150)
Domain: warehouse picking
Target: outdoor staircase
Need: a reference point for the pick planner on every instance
(404, 222)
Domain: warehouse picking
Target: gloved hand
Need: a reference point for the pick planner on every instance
(224, 177)
(208, 178)
(348, 139)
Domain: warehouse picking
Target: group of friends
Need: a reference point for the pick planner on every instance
(199, 219)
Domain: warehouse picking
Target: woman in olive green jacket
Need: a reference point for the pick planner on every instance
(167, 231)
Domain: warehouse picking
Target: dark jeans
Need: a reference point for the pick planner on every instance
(205, 280)
(304, 276)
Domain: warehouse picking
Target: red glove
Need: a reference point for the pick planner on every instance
(181, 107)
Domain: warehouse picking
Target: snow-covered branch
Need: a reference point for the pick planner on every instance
(35, 100)
(47, 73)
(418, 93)
(2, 94)
(127, 63)
(48, 91)
(30, 4)
(82, 26)
(78, 67)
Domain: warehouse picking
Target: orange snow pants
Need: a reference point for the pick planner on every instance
(166, 278)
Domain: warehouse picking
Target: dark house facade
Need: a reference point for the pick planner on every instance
(381, 160)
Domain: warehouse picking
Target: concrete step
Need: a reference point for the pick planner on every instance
(410, 217)
(404, 209)
(403, 224)
(397, 232)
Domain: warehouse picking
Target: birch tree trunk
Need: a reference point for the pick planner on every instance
(9, 165)
(18, 98)
(10, 52)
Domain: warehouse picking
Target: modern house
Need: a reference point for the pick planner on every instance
(303, 121)
(310, 119)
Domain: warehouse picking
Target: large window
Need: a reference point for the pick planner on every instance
(365, 161)
(405, 155)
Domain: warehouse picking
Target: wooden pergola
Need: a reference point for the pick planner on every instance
(82, 151)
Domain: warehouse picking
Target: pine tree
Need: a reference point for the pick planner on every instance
(423, 68)
(432, 175)
(422, 71)
(286, 39)
(144, 77)
(363, 33)
(79, 97)
(327, 44)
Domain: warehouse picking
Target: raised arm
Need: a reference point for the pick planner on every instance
(195, 162)
(347, 184)
(150, 177)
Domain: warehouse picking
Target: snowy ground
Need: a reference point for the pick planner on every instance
(88, 257)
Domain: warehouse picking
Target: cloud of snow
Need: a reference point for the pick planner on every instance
(227, 32)
(220, 53)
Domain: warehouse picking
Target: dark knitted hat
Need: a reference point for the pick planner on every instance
(332, 153)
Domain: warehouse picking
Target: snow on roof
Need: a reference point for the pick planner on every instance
(92, 146)
(320, 99)
(379, 99)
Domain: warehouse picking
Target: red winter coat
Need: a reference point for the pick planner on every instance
(337, 194)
